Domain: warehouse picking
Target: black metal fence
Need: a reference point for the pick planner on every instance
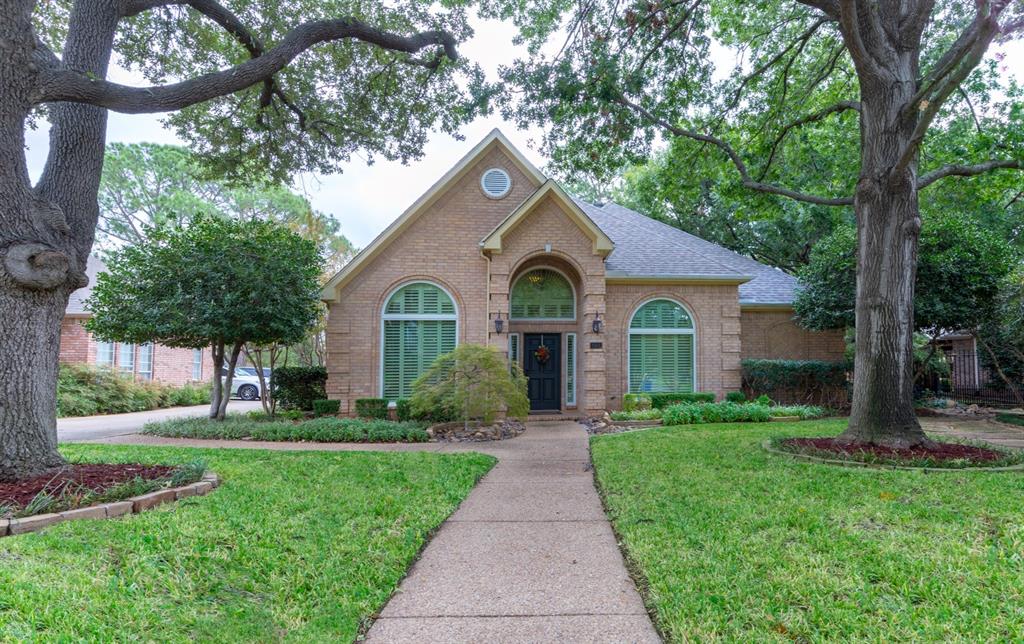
(971, 382)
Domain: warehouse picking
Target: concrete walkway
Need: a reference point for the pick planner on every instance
(979, 430)
(528, 557)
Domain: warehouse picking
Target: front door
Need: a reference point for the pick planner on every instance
(543, 369)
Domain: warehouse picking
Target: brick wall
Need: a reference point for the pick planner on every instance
(774, 334)
(716, 315)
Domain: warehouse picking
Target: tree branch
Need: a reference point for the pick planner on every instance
(958, 170)
(841, 106)
(66, 85)
(741, 167)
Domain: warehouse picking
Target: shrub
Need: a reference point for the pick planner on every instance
(804, 412)
(661, 401)
(472, 382)
(84, 390)
(372, 408)
(722, 412)
(298, 387)
(763, 399)
(403, 410)
(634, 402)
(326, 407)
(637, 414)
(797, 381)
(737, 397)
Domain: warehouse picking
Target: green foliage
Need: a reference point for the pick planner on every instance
(403, 410)
(701, 509)
(661, 401)
(324, 407)
(472, 382)
(637, 414)
(722, 412)
(372, 408)
(84, 390)
(295, 388)
(763, 399)
(806, 380)
(216, 281)
(1012, 419)
(636, 402)
(737, 397)
(327, 429)
(281, 547)
(804, 412)
(960, 268)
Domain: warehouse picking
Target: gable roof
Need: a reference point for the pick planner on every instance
(360, 261)
(602, 244)
(76, 302)
(649, 249)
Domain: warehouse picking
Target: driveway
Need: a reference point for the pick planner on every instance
(86, 428)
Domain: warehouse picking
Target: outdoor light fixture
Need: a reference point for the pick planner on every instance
(499, 324)
(597, 323)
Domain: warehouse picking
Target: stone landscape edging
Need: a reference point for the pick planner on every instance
(767, 446)
(112, 510)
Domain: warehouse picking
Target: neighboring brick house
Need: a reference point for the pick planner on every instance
(593, 301)
(145, 362)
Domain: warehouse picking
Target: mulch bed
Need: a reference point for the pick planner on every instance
(98, 477)
(941, 451)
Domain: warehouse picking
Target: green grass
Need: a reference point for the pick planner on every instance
(739, 545)
(322, 430)
(1011, 419)
(294, 546)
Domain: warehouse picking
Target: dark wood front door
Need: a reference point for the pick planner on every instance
(544, 375)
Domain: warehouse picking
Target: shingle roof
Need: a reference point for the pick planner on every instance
(76, 303)
(645, 247)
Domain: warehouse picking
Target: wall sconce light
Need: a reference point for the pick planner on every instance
(499, 324)
(597, 324)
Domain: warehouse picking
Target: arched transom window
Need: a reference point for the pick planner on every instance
(661, 348)
(542, 294)
(419, 325)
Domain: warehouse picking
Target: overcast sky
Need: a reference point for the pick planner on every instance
(365, 199)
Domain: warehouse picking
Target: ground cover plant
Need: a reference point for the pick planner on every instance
(1012, 419)
(84, 390)
(722, 412)
(637, 414)
(735, 544)
(323, 430)
(297, 546)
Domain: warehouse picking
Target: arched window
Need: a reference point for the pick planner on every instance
(661, 348)
(542, 294)
(419, 324)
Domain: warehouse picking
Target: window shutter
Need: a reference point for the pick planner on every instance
(661, 363)
(412, 345)
(543, 294)
(570, 369)
(661, 314)
(513, 350)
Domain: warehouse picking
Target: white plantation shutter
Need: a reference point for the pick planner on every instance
(419, 325)
(542, 294)
(661, 349)
(570, 369)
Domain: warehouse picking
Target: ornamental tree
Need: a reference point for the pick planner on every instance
(257, 89)
(608, 78)
(218, 283)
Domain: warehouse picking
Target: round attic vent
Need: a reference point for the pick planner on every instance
(495, 183)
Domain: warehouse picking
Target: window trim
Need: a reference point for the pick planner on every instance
(385, 317)
(669, 331)
(527, 271)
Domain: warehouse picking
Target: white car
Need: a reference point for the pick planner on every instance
(246, 383)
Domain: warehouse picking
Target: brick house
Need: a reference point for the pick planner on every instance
(164, 364)
(593, 301)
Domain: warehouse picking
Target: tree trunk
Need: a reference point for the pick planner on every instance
(888, 227)
(217, 355)
(222, 408)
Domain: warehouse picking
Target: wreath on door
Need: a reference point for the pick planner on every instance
(542, 354)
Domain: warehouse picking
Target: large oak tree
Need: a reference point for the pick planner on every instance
(258, 89)
(623, 73)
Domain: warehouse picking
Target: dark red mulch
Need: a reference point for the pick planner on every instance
(941, 451)
(97, 477)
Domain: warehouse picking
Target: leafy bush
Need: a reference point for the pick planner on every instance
(805, 412)
(472, 382)
(372, 408)
(737, 397)
(84, 390)
(635, 402)
(661, 401)
(326, 407)
(327, 429)
(800, 381)
(403, 410)
(763, 399)
(298, 387)
(637, 414)
(722, 412)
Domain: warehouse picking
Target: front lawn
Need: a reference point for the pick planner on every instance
(299, 546)
(741, 545)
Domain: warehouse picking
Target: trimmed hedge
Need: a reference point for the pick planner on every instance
(722, 412)
(737, 397)
(403, 410)
(298, 387)
(633, 402)
(373, 408)
(326, 407)
(798, 381)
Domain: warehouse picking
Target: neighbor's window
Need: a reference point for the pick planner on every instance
(661, 348)
(126, 357)
(105, 354)
(197, 364)
(542, 294)
(146, 361)
(419, 325)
